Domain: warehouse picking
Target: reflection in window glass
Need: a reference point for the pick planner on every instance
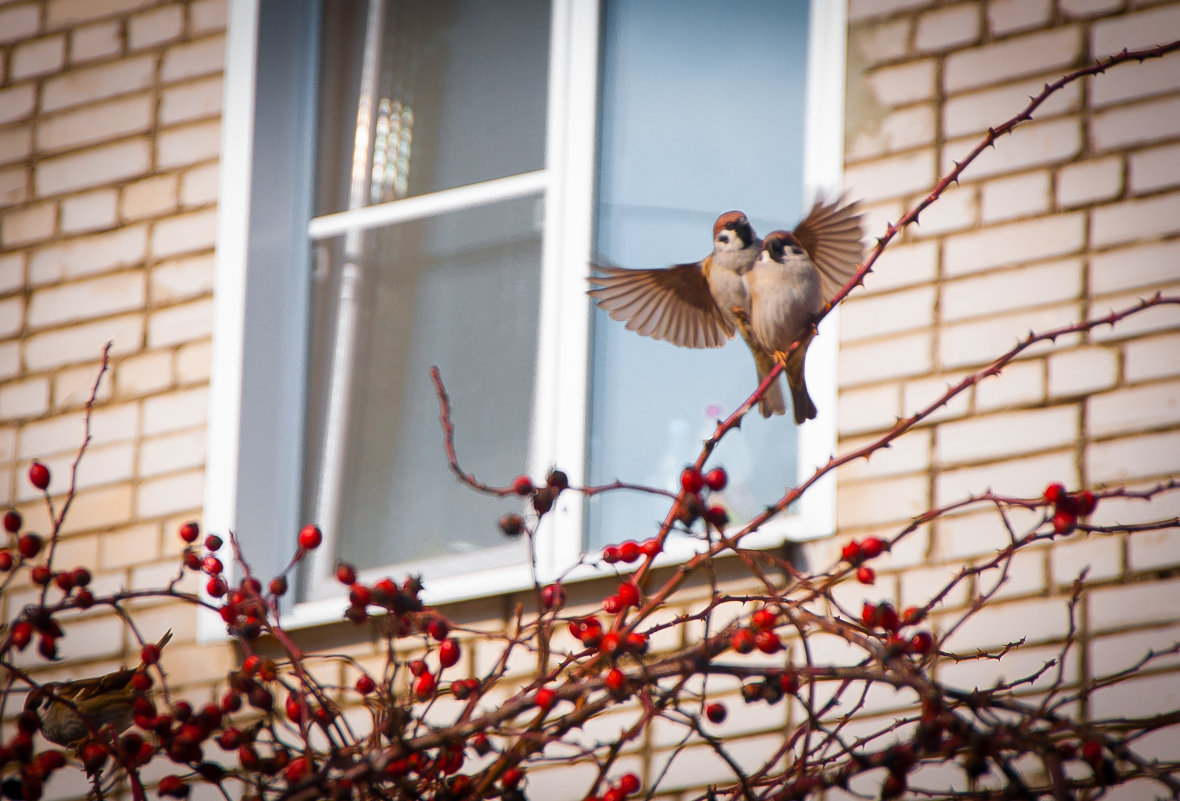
(460, 97)
(459, 292)
(701, 112)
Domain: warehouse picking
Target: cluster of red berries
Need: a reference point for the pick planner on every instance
(33, 770)
(1068, 507)
(628, 784)
(385, 593)
(883, 616)
(627, 596)
(588, 631)
(760, 634)
(693, 482)
(857, 551)
(630, 551)
(28, 546)
(512, 524)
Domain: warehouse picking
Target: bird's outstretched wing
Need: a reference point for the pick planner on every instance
(673, 304)
(831, 234)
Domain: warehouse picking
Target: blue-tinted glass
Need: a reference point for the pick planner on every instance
(701, 112)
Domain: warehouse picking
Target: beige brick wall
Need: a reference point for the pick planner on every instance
(1071, 216)
(110, 125)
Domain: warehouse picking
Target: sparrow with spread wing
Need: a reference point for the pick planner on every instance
(696, 305)
(71, 710)
(700, 305)
(794, 277)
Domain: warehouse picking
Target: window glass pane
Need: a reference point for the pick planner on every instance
(461, 88)
(458, 291)
(701, 112)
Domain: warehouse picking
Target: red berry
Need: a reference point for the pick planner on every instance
(715, 712)
(545, 698)
(251, 664)
(449, 653)
(868, 615)
(80, 576)
(216, 587)
(1086, 503)
(1092, 751)
(691, 480)
(310, 537)
(64, 582)
(150, 654)
(912, 615)
(850, 552)
(360, 596)
(345, 573)
(866, 575)
(425, 685)
(650, 547)
(22, 634)
(212, 565)
(543, 500)
(511, 524)
(765, 618)
(716, 479)
(612, 605)
(213, 542)
(637, 642)
(94, 755)
(611, 554)
(553, 596)
(12, 521)
(629, 551)
(522, 485)
(789, 683)
(172, 785)
(39, 475)
(871, 547)
(438, 629)
(84, 599)
(365, 685)
(717, 516)
(6, 560)
(887, 617)
(628, 594)
(1064, 522)
(629, 783)
(190, 531)
(278, 586)
(742, 641)
(768, 642)
(41, 575)
(511, 777)
(1054, 492)
(558, 480)
(611, 643)
(615, 680)
(47, 647)
(922, 642)
(29, 544)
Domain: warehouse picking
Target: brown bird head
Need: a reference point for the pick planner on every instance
(732, 231)
(778, 243)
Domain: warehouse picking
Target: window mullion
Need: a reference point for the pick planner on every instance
(559, 427)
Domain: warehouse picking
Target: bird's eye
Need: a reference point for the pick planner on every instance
(723, 237)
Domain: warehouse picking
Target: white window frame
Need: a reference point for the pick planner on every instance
(566, 183)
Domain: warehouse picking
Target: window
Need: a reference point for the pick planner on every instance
(438, 204)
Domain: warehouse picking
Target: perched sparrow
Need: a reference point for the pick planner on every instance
(794, 277)
(68, 706)
(696, 305)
